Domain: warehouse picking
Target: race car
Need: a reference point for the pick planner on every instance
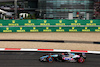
(71, 57)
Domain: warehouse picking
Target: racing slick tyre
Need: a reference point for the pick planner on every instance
(63, 60)
(50, 59)
(81, 60)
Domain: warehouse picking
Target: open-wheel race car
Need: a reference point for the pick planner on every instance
(71, 57)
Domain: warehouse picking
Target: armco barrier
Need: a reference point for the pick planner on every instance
(49, 26)
(48, 50)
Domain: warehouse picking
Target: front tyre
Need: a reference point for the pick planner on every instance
(50, 59)
(81, 60)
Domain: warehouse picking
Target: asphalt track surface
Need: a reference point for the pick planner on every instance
(30, 59)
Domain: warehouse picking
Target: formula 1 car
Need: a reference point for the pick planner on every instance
(71, 57)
